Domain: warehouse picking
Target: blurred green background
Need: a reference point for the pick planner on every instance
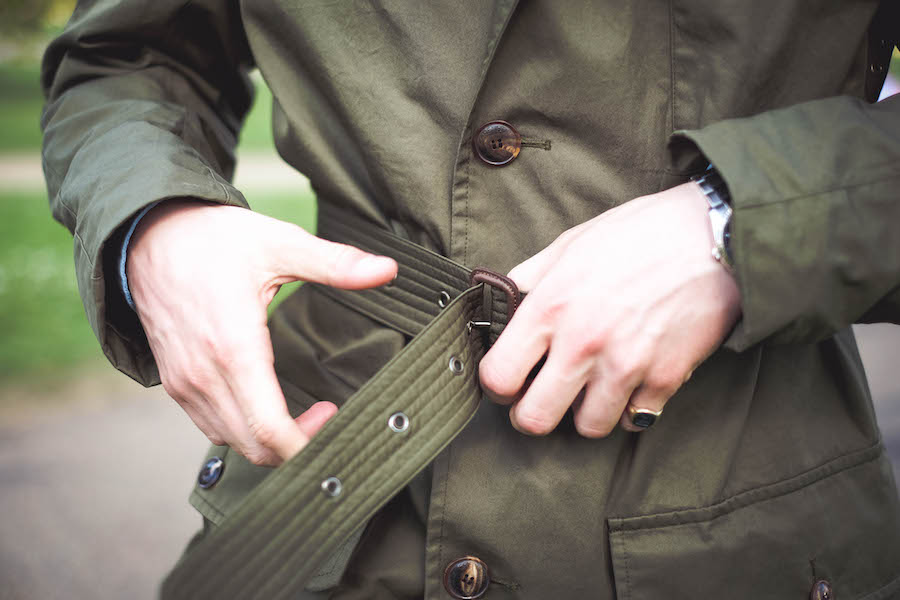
(44, 335)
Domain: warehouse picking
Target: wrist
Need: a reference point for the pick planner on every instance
(142, 222)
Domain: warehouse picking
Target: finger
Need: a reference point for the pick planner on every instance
(315, 417)
(250, 375)
(310, 258)
(604, 400)
(551, 393)
(530, 272)
(234, 428)
(505, 368)
(646, 397)
(208, 396)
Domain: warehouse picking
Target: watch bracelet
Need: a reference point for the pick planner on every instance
(716, 191)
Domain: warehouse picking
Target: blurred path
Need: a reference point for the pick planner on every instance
(259, 172)
(879, 346)
(94, 481)
(93, 492)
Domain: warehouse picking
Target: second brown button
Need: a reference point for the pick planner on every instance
(466, 578)
(497, 143)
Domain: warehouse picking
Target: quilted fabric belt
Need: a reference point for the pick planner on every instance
(386, 433)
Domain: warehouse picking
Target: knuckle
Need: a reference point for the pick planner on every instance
(622, 366)
(496, 380)
(589, 348)
(196, 379)
(533, 424)
(592, 430)
(550, 310)
(256, 455)
(175, 388)
(263, 434)
(224, 352)
(664, 382)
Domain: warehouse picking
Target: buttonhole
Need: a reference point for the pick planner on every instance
(542, 144)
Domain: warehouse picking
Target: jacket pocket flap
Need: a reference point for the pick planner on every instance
(839, 522)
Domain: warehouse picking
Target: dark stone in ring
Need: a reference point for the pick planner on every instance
(643, 419)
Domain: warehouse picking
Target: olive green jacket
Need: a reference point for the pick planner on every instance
(767, 472)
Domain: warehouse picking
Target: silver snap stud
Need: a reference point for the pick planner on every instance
(443, 299)
(456, 365)
(398, 422)
(332, 487)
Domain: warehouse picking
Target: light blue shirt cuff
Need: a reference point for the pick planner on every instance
(123, 257)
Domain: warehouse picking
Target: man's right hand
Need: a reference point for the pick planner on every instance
(202, 276)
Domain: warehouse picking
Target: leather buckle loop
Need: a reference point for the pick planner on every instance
(501, 282)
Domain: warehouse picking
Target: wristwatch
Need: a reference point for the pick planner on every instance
(717, 196)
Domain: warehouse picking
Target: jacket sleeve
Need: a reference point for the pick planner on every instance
(815, 236)
(816, 224)
(144, 103)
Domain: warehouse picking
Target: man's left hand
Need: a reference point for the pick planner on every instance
(624, 307)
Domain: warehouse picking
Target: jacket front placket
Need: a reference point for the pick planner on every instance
(436, 557)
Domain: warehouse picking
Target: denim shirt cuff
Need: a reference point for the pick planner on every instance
(123, 257)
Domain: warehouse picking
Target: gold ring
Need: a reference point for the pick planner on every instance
(642, 417)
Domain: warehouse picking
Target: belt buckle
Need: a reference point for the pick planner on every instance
(502, 283)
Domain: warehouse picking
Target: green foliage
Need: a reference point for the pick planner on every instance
(23, 17)
(20, 108)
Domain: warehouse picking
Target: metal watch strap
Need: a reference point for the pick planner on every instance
(296, 518)
(720, 212)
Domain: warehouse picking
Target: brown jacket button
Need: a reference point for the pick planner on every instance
(466, 578)
(497, 143)
(821, 590)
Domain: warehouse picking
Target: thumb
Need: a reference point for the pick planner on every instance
(290, 437)
(302, 255)
(315, 417)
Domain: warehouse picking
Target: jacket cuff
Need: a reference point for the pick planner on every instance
(149, 177)
(809, 186)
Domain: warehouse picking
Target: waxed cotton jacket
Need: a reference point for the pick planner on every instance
(766, 474)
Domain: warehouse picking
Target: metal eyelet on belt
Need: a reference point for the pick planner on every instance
(332, 487)
(398, 422)
(456, 365)
(443, 299)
